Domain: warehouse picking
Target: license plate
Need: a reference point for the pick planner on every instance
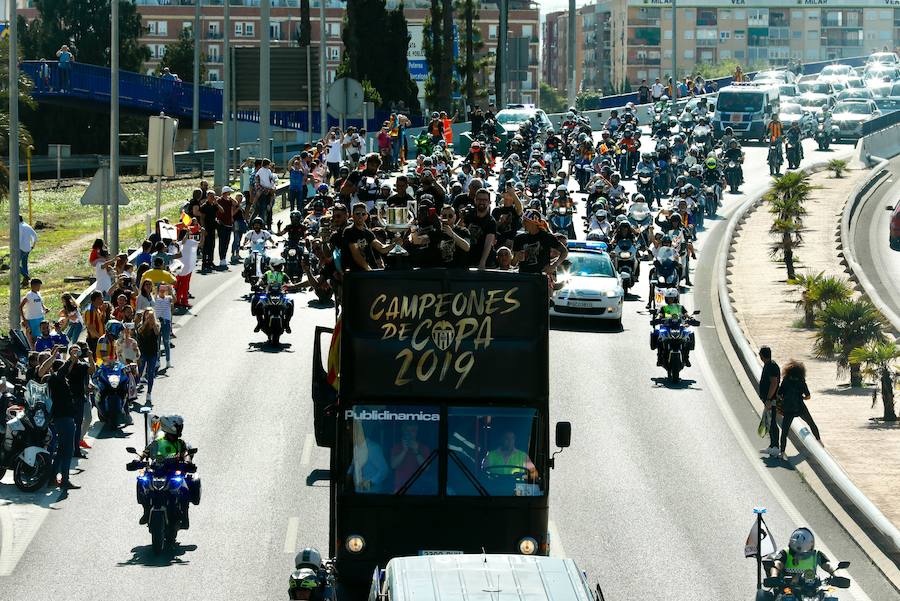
(435, 552)
(580, 304)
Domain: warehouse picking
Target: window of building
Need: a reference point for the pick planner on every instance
(812, 15)
(724, 14)
(758, 17)
(796, 34)
(796, 14)
(706, 56)
(706, 34)
(779, 18)
(706, 17)
(492, 32)
(212, 53)
(740, 14)
(689, 53)
(527, 31)
(275, 31)
(213, 30)
(238, 29)
(689, 34)
(667, 14)
(724, 54)
(667, 54)
(740, 34)
(158, 28)
(333, 30)
(334, 53)
(249, 30)
(897, 17)
(724, 35)
(812, 34)
(834, 18)
(212, 75)
(667, 34)
(331, 74)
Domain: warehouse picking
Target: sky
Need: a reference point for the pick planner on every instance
(549, 6)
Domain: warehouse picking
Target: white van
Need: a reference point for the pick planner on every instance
(467, 577)
(747, 109)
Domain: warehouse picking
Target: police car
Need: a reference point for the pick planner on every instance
(588, 284)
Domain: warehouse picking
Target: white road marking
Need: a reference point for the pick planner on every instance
(6, 542)
(556, 545)
(307, 450)
(753, 455)
(290, 539)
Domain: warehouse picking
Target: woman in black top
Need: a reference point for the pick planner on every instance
(793, 393)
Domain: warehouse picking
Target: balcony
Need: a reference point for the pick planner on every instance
(643, 61)
(707, 43)
(643, 42)
(213, 35)
(214, 60)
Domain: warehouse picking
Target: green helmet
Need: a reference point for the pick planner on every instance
(303, 578)
(711, 163)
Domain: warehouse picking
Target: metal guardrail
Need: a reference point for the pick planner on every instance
(879, 123)
(802, 436)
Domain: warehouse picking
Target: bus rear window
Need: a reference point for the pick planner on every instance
(739, 102)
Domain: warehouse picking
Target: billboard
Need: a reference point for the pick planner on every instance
(415, 56)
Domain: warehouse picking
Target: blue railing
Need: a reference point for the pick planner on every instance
(299, 119)
(146, 93)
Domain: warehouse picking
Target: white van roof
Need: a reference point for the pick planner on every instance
(485, 578)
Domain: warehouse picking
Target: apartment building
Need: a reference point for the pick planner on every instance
(165, 19)
(750, 31)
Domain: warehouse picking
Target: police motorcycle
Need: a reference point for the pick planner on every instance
(111, 396)
(273, 303)
(673, 340)
(26, 441)
(313, 579)
(167, 485)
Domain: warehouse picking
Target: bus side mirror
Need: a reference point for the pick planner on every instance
(563, 434)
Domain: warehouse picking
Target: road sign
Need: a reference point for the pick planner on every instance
(98, 190)
(161, 146)
(345, 96)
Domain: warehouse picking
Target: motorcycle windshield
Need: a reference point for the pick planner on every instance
(666, 253)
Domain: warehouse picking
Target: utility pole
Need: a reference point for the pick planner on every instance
(265, 101)
(14, 274)
(226, 92)
(571, 49)
(195, 123)
(674, 52)
(503, 53)
(114, 129)
(323, 116)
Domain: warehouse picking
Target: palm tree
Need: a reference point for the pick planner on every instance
(793, 185)
(788, 237)
(817, 291)
(877, 360)
(845, 325)
(786, 208)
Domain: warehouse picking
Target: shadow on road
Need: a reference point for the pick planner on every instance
(683, 384)
(144, 556)
(265, 347)
(318, 475)
(573, 324)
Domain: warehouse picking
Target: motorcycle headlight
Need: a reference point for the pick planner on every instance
(176, 481)
(625, 255)
(528, 546)
(40, 418)
(292, 252)
(114, 381)
(355, 543)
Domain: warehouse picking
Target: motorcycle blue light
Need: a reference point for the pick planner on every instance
(176, 479)
(144, 478)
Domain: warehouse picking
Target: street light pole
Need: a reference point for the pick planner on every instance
(14, 253)
(265, 101)
(226, 91)
(503, 53)
(195, 122)
(571, 44)
(674, 52)
(114, 130)
(323, 116)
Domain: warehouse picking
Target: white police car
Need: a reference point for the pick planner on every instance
(588, 285)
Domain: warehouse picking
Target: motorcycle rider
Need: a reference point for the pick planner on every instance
(712, 176)
(307, 581)
(274, 277)
(613, 123)
(794, 136)
(168, 446)
(672, 309)
(727, 137)
(295, 230)
(734, 153)
(625, 232)
(801, 557)
(599, 223)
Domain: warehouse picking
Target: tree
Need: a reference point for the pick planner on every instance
(376, 43)
(588, 101)
(837, 166)
(817, 291)
(25, 100)
(179, 58)
(845, 325)
(793, 185)
(472, 63)
(788, 235)
(877, 359)
(437, 44)
(552, 100)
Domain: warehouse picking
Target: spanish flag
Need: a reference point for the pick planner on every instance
(334, 357)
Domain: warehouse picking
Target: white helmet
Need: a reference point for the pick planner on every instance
(308, 558)
(639, 198)
(276, 261)
(802, 541)
(562, 189)
(173, 424)
(672, 295)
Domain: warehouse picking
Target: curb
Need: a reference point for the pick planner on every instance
(847, 241)
(861, 509)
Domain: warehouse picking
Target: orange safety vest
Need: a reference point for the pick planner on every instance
(448, 131)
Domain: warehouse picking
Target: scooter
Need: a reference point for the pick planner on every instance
(673, 339)
(26, 444)
(167, 485)
(823, 133)
(625, 260)
(561, 221)
(111, 396)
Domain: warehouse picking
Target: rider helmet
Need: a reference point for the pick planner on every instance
(671, 295)
(562, 190)
(600, 214)
(733, 143)
(322, 189)
(257, 221)
(296, 216)
(688, 189)
(664, 98)
(711, 163)
(114, 327)
(171, 424)
(729, 131)
(802, 542)
(604, 134)
(638, 198)
(308, 558)
(276, 262)
(666, 240)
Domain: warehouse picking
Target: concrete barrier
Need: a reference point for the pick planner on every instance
(882, 143)
(886, 535)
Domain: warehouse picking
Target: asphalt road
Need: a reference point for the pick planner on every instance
(873, 252)
(653, 500)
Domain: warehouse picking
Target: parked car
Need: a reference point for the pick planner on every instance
(848, 117)
(884, 58)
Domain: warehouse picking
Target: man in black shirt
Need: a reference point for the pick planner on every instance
(62, 412)
(430, 186)
(359, 243)
(468, 197)
(483, 231)
(531, 249)
(768, 393)
(77, 377)
(477, 119)
(402, 194)
(508, 216)
(208, 212)
(446, 244)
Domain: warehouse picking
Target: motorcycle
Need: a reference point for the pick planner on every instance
(823, 134)
(702, 136)
(795, 587)
(666, 274)
(625, 260)
(168, 486)
(111, 397)
(710, 200)
(256, 263)
(641, 219)
(646, 185)
(293, 255)
(733, 176)
(583, 173)
(793, 154)
(561, 221)
(26, 444)
(273, 304)
(774, 158)
(675, 339)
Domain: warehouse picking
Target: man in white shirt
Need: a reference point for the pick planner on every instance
(32, 310)
(657, 90)
(189, 245)
(333, 156)
(265, 196)
(27, 239)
